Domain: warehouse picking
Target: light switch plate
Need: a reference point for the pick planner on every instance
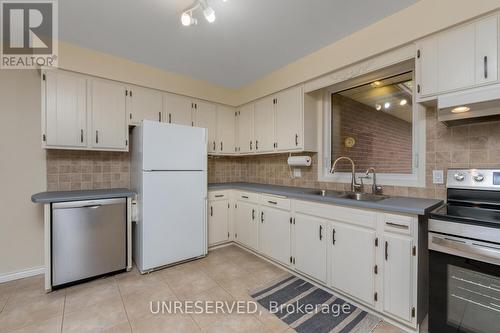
(297, 173)
(438, 176)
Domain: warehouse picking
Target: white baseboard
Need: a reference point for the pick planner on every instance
(24, 273)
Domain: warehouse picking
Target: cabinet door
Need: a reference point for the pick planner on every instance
(206, 116)
(65, 110)
(109, 115)
(398, 268)
(264, 125)
(178, 109)
(427, 67)
(487, 50)
(218, 222)
(246, 142)
(225, 130)
(289, 119)
(274, 232)
(247, 225)
(144, 104)
(310, 246)
(353, 261)
(456, 58)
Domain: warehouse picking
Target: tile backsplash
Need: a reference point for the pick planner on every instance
(85, 170)
(467, 146)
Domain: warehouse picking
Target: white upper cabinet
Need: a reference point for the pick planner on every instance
(353, 261)
(264, 125)
(310, 246)
(246, 143)
(205, 116)
(144, 104)
(178, 110)
(459, 58)
(289, 119)
(427, 67)
(487, 50)
(456, 58)
(225, 130)
(108, 115)
(64, 113)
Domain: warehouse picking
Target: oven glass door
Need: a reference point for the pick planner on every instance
(464, 295)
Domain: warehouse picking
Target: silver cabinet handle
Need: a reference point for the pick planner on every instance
(261, 217)
(395, 225)
(214, 145)
(273, 202)
(96, 136)
(250, 145)
(219, 196)
(296, 139)
(485, 59)
(333, 236)
(211, 211)
(320, 232)
(159, 117)
(221, 146)
(81, 135)
(244, 197)
(253, 214)
(386, 250)
(256, 144)
(170, 118)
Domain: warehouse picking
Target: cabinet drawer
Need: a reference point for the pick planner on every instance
(400, 224)
(275, 201)
(218, 195)
(247, 196)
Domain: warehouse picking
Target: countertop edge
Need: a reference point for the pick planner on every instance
(63, 196)
(384, 205)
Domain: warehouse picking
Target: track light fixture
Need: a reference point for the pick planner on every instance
(187, 18)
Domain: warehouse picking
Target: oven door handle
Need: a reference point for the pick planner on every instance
(465, 248)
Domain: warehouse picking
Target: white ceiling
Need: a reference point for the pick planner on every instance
(249, 39)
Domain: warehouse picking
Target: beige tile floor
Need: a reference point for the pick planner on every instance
(121, 303)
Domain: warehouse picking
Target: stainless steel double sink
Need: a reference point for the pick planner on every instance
(358, 196)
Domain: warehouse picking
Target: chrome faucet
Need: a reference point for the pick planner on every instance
(355, 187)
(376, 189)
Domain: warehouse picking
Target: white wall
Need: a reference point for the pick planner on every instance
(22, 171)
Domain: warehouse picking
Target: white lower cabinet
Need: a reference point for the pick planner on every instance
(274, 234)
(310, 246)
(353, 261)
(218, 218)
(367, 256)
(247, 224)
(398, 272)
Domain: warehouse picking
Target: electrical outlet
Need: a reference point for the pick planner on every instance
(297, 173)
(438, 176)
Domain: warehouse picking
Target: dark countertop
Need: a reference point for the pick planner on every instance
(407, 205)
(62, 196)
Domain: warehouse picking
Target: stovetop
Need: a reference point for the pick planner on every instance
(476, 215)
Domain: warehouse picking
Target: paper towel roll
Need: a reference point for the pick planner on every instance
(299, 161)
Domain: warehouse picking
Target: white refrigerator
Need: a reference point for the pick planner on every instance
(169, 175)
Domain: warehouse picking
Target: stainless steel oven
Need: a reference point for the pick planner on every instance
(464, 255)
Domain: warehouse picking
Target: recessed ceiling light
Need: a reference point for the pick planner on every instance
(403, 102)
(378, 107)
(209, 14)
(387, 105)
(460, 109)
(376, 83)
(186, 19)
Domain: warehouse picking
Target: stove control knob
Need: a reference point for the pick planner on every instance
(459, 176)
(479, 177)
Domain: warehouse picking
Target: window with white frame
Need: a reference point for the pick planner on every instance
(374, 120)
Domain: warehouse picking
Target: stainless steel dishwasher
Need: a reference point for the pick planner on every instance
(89, 238)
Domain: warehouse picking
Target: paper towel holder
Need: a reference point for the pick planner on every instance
(298, 161)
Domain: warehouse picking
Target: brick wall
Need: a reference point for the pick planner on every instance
(382, 140)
